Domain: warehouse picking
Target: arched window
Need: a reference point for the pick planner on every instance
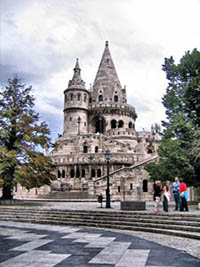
(79, 97)
(121, 124)
(59, 174)
(71, 97)
(83, 173)
(145, 186)
(72, 173)
(77, 173)
(113, 124)
(130, 125)
(96, 149)
(116, 98)
(63, 173)
(100, 98)
(93, 173)
(99, 173)
(149, 149)
(85, 149)
(100, 124)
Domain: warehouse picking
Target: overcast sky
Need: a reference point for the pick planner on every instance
(40, 41)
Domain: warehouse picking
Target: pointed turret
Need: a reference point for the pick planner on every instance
(107, 87)
(106, 73)
(76, 81)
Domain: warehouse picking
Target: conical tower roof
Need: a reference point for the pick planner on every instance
(106, 74)
(76, 81)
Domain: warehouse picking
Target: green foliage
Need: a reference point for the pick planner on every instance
(180, 150)
(21, 134)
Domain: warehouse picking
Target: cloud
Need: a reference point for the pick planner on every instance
(40, 41)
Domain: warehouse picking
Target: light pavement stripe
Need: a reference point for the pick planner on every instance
(101, 242)
(138, 257)
(32, 245)
(111, 254)
(35, 258)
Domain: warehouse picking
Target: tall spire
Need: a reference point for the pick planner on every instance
(106, 73)
(76, 81)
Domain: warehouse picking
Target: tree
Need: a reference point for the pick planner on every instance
(22, 136)
(179, 149)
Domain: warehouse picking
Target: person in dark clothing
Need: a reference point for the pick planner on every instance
(157, 195)
(166, 198)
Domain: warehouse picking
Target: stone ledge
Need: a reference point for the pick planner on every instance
(133, 205)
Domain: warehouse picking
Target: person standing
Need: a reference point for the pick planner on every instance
(157, 195)
(166, 198)
(183, 196)
(176, 193)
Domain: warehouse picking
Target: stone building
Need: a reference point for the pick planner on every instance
(96, 120)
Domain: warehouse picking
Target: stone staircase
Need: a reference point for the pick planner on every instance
(179, 224)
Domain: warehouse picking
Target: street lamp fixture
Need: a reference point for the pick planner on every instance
(107, 157)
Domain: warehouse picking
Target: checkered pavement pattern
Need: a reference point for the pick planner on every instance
(39, 245)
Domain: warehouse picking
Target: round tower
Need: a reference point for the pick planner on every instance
(76, 99)
(109, 112)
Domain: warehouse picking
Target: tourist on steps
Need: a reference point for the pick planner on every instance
(176, 194)
(157, 195)
(166, 198)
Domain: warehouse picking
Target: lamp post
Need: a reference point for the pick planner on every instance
(107, 156)
(79, 122)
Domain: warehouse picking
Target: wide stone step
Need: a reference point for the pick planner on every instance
(169, 218)
(111, 226)
(115, 221)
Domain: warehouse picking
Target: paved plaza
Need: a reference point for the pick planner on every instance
(24, 244)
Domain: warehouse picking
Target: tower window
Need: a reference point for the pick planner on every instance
(100, 98)
(85, 97)
(113, 124)
(130, 125)
(96, 149)
(63, 173)
(131, 186)
(118, 189)
(145, 186)
(99, 173)
(116, 98)
(71, 97)
(121, 124)
(93, 173)
(83, 173)
(72, 173)
(70, 119)
(85, 149)
(90, 100)
(59, 174)
(79, 97)
(77, 173)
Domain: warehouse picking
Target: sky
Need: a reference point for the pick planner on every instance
(40, 41)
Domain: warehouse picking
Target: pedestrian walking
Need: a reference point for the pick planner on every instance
(157, 195)
(166, 198)
(176, 193)
(183, 197)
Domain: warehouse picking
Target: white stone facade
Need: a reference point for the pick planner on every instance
(97, 120)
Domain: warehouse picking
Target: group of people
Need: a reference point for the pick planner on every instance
(179, 191)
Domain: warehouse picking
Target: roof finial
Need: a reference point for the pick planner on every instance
(106, 43)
